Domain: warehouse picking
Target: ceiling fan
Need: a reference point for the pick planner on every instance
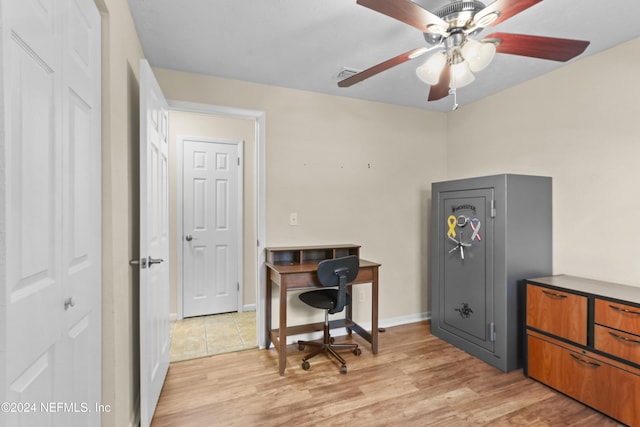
(452, 30)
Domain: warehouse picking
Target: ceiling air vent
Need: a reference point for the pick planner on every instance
(346, 73)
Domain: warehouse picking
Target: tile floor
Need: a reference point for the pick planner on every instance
(206, 335)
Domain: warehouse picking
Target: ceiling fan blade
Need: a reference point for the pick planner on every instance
(551, 48)
(389, 63)
(441, 89)
(507, 9)
(406, 11)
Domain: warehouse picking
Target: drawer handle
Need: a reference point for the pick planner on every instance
(620, 337)
(586, 362)
(553, 294)
(624, 310)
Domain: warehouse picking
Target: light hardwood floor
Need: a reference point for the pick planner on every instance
(415, 379)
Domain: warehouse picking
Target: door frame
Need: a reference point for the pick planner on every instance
(179, 217)
(260, 120)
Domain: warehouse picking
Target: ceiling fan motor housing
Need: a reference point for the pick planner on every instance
(459, 13)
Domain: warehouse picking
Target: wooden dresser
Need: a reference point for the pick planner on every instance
(583, 339)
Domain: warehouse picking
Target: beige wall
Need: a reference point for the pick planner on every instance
(353, 171)
(578, 125)
(120, 68)
(213, 127)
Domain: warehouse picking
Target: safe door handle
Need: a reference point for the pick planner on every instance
(624, 310)
(621, 338)
(553, 294)
(586, 362)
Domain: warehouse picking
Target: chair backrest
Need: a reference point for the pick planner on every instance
(339, 272)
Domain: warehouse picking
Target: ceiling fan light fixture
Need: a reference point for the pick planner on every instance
(478, 54)
(429, 72)
(461, 75)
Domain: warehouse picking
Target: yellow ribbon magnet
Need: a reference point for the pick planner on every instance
(452, 220)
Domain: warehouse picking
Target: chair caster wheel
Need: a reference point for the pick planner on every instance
(343, 369)
(357, 352)
(305, 365)
(300, 347)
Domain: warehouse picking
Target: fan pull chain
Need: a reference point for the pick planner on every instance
(452, 91)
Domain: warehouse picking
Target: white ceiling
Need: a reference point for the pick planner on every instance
(303, 44)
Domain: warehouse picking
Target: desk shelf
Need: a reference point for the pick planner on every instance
(305, 254)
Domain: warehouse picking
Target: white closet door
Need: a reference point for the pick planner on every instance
(49, 180)
(32, 293)
(79, 379)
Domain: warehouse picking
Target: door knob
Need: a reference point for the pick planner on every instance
(141, 262)
(188, 237)
(69, 302)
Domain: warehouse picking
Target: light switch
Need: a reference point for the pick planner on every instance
(293, 218)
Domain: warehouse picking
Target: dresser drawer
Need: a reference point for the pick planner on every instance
(617, 343)
(591, 380)
(618, 316)
(556, 312)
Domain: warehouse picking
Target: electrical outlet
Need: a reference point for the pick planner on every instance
(293, 218)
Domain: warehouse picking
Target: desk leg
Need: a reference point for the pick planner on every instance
(282, 332)
(349, 309)
(267, 309)
(374, 312)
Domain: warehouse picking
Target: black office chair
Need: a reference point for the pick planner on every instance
(331, 272)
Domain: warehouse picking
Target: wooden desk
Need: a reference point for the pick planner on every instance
(295, 268)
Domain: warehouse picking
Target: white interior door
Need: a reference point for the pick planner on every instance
(154, 242)
(50, 227)
(211, 227)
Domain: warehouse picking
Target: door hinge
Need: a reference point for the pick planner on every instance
(238, 161)
(492, 331)
(493, 209)
(238, 286)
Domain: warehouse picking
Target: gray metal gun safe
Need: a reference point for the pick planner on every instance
(487, 233)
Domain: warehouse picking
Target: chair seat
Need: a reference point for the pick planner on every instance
(325, 299)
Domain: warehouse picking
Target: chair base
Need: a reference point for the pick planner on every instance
(329, 348)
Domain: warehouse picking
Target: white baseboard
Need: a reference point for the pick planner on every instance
(404, 320)
(382, 323)
(247, 307)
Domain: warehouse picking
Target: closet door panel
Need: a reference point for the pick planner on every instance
(33, 192)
